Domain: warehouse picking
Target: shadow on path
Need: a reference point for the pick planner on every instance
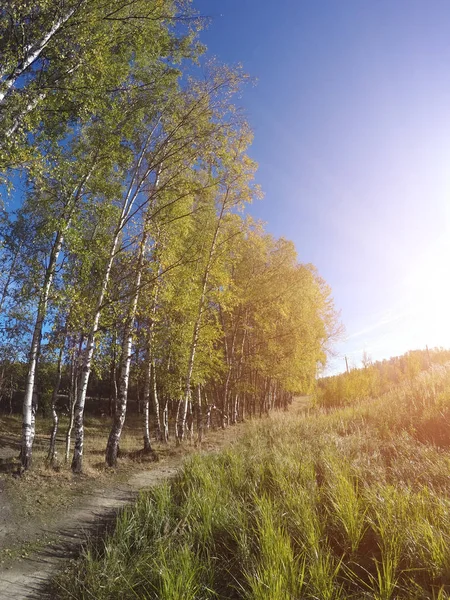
(30, 576)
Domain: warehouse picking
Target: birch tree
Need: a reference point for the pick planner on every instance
(188, 135)
(63, 59)
(232, 176)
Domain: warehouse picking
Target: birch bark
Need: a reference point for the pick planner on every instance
(32, 53)
(51, 456)
(121, 405)
(133, 191)
(73, 392)
(29, 407)
(181, 420)
(150, 377)
(125, 362)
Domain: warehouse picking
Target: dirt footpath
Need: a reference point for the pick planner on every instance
(44, 545)
(27, 576)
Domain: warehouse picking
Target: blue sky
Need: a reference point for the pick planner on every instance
(351, 115)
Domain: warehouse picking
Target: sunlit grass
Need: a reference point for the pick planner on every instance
(348, 504)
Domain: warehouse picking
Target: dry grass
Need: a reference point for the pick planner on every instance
(43, 495)
(353, 503)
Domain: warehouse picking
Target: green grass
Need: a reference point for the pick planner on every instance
(352, 503)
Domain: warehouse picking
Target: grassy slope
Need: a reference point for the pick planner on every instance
(350, 504)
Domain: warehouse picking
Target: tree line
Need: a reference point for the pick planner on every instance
(377, 378)
(124, 240)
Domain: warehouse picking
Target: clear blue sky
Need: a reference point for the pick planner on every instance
(351, 116)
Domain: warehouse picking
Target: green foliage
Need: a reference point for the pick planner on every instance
(135, 174)
(63, 62)
(305, 506)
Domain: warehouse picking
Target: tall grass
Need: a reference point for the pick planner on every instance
(352, 503)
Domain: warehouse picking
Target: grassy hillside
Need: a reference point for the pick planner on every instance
(377, 378)
(353, 503)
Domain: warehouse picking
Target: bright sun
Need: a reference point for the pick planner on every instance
(430, 295)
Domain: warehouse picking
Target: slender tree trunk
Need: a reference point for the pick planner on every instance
(128, 202)
(177, 420)
(77, 459)
(121, 408)
(156, 402)
(28, 412)
(234, 418)
(199, 415)
(11, 392)
(119, 417)
(150, 377)
(138, 383)
(165, 417)
(31, 54)
(229, 356)
(113, 384)
(73, 392)
(9, 277)
(29, 409)
(181, 418)
(51, 456)
(190, 422)
(147, 443)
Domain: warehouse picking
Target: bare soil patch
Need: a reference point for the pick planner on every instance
(47, 516)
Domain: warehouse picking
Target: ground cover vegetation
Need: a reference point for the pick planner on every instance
(376, 378)
(130, 270)
(351, 502)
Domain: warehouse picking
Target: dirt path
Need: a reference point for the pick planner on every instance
(27, 573)
(28, 576)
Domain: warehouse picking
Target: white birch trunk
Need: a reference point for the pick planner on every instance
(72, 401)
(199, 415)
(28, 412)
(181, 421)
(77, 459)
(125, 363)
(127, 346)
(150, 378)
(165, 418)
(156, 402)
(31, 54)
(129, 200)
(147, 443)
(52, 455)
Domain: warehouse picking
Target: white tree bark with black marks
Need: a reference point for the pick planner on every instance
(147, 384)
(127, 345)
(31, 53)
(229, 357)
(181, 417)
(73, 393)
(129, 200)
(29, 407)
(165, 421)
(125, 362)
(52, 455)
(199, 415)
(150, 377)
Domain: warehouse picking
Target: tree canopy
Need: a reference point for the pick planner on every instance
(130, 263)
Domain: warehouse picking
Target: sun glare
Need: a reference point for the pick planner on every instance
(429, 301)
